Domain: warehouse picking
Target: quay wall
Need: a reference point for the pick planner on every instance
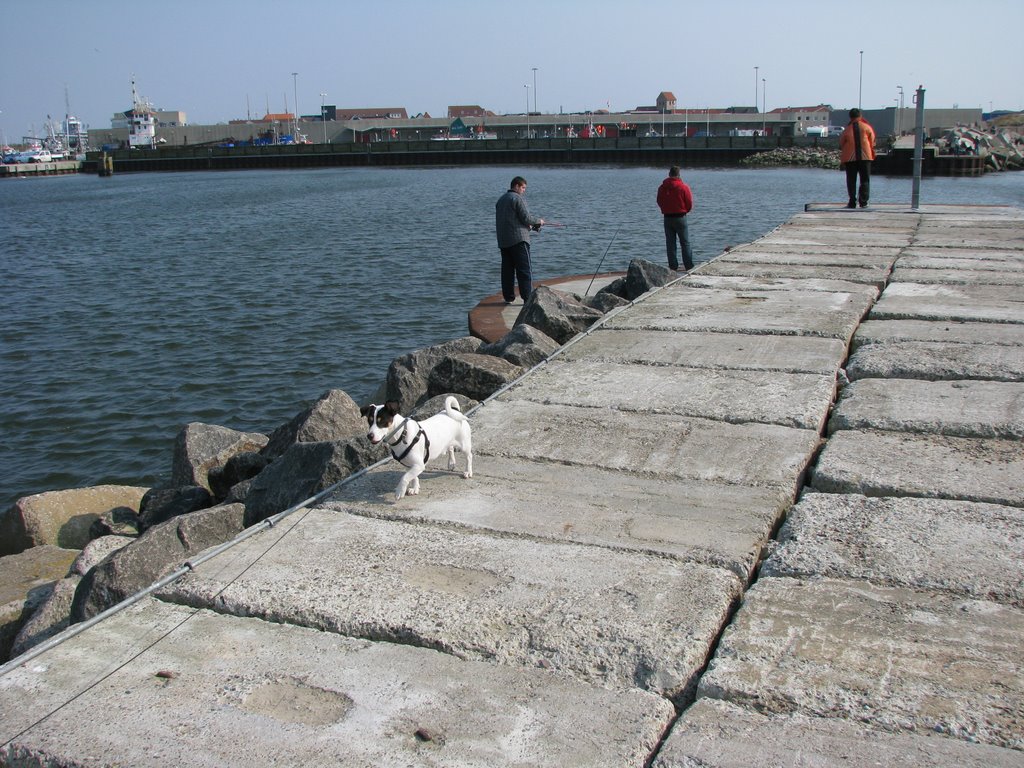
(712, 151)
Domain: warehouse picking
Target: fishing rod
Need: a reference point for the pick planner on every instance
(596, 271)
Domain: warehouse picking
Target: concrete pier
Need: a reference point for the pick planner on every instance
(771, 514)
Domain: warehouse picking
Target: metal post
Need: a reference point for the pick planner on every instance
(527, 87)
(323, 114)
(764, 105)
(860, 87)
(915, 195)
(295, 105)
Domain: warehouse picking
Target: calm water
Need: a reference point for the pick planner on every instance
(136, 304)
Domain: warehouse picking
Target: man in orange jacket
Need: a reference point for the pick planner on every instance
(856, 151)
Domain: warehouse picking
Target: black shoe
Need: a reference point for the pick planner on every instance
(864, 205)
(851, 204)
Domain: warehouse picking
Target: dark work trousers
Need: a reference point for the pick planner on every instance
(676, 227)
(515, 265)
(863, 169)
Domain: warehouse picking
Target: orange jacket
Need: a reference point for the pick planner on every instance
(848, 144)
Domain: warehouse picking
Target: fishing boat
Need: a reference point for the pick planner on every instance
(141, 122)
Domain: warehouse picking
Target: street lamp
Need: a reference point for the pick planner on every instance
(899, 114)
(755, 87)
(860, 87)
(323, 114)
(764, 104)
(527, 87)
(295, 104)
(535, 109)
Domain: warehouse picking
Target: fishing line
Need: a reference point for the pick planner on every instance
(596, 271)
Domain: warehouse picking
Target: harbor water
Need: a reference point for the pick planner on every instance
(136, 304)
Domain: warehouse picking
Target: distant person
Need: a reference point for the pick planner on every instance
(676, 200)
(513, 224)
(856, 151)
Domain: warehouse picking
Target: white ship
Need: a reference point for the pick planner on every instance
(141, 122)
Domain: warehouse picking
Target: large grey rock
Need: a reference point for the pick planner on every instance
(238, 469)
(303, 471)
(643, 275)
(408, 375)
(62, 518)
(152, 556)
(198, 448)
(556, 314)
(524, 346)
(26, 582)
(54, 615)
(161, 504)
(604, 301)
(334, 416)
(473, 375)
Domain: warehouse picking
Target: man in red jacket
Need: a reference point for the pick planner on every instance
(676, 200)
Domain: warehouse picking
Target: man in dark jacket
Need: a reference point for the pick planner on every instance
(676, 200)
(513, 223)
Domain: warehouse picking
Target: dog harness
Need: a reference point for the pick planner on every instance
(419, 434)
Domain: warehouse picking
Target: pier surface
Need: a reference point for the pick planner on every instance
(771, 514)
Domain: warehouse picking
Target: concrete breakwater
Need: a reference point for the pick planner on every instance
(609, 588)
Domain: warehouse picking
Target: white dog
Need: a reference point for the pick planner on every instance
(413, 443)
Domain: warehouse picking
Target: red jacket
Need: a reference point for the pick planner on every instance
(674, 196)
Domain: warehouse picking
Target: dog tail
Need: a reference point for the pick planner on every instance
(451, 407)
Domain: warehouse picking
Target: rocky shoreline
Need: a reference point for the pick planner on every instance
(1001, 150)
(66, 556)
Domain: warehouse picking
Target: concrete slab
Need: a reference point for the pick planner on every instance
(220, 690)
(936, 361)
(820, 282)
(717, 734)
(798, 400)
(585, 612)
(927, 466)
(922, 301)
(962, 258)
(717, 351)
(899, 659)
(832, 235)
(954, 331)
(850, 256)
(792, 313)
(958, 276)
(988, 409)
(659, 445)
(720, 525)
(868, 275)
(963, 548)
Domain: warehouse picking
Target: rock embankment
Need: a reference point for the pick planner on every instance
(806, 157)
(223, 481)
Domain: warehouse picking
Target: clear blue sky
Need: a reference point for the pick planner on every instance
(217, 59)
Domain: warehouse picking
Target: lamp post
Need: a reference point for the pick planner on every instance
(535, 109)
(323, 114)
(755, 87)
(899, 113)
(295, 104)
(860, 87)
(527, 87)
(764, 102)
